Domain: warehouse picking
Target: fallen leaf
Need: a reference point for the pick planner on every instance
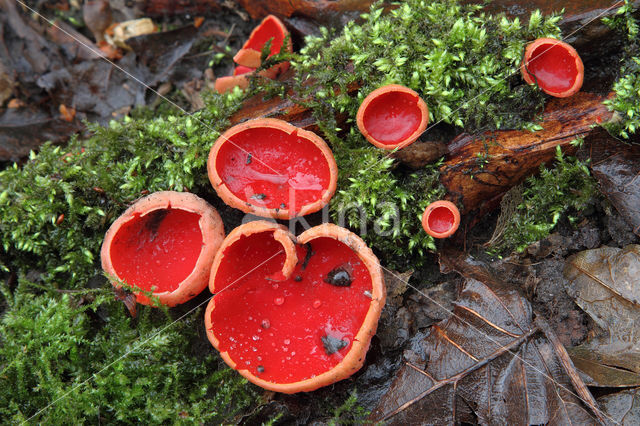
(605, 284)
(616, 166)
(23, 130)
(97, 17)
(128, 298)
(623, 407)
(489, 357)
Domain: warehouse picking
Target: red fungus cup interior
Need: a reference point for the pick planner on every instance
(269, 29)
(158, 250)
(392, 116)
(296, 329)
(441, 219)
(275, 168)
(555, 66)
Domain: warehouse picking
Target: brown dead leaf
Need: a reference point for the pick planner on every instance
(623, 407)
(488, 357)
(616, 166)
(128, 298)
(605, 283)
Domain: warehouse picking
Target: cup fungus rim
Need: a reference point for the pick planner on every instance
(211, 228)
(430, 208)
(354, 359)
(527, 75)
(421, 104)
(285, 213)
(250, 57)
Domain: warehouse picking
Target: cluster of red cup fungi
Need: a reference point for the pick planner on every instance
(289, 313)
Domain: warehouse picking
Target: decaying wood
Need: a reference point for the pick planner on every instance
(322, 10)
(478, 170)
(421, 153)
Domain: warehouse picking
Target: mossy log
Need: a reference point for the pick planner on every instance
(479, 169)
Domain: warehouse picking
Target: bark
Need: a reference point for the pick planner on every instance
(479, 169)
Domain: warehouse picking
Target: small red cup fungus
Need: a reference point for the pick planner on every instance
(249, 57)
(270, 29)
(271, 168)
(165, 243)
(291, 314)
(392, 116)
(441, 219)
(554, 66)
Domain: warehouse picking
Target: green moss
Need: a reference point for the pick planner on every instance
(81, 353)
(56, 208)
(541, 201)
(464, 64)
(627, 88)
(349, 413)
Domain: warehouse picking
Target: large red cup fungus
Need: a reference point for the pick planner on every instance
(291, 314)
(392, 116)
(165, 243)
(271, 168)
(554, 66)
(441, 219)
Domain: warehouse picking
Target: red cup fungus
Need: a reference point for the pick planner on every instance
(270, 29)
(271, 168)
(291, 314)
(249, 57)
(165, 243)
(554, 66)
(392, 116)
(441, 219)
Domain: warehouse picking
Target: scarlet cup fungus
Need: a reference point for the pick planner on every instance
(554, 66)
(165, 243)
(392, 116)
(441, 219)
(271, 168)
(270, 29)
(291, 314)
(249, 57)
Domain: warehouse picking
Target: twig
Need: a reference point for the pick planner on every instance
(568, 366)
(457, 377)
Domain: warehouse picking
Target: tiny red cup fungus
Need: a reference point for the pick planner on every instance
(441, 219)
(392, 116)
(291, 314)
(271, 168)
(554, 66)
(164, 243)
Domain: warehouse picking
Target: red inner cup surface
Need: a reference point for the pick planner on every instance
(269, 29)
(275, 329)
(553, 66)
(441, 219)
(269, 168)
(241, 69)
(392, 117)
(159, 249)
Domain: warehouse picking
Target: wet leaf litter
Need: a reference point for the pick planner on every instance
(339, 276)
